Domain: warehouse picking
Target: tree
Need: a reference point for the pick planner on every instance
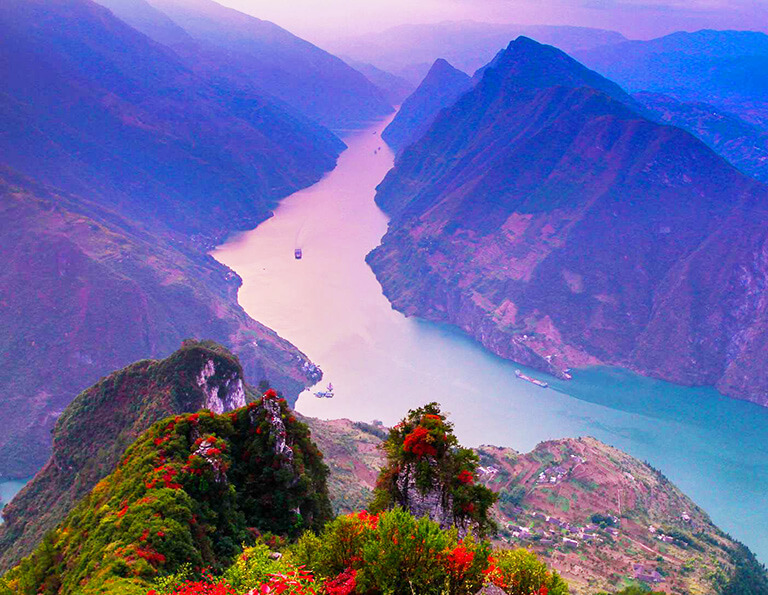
(429, 474)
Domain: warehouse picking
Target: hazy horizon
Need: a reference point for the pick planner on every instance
(636, 19)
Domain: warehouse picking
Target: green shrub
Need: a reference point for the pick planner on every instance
(519, 572)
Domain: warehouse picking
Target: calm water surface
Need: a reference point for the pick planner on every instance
(381, 364)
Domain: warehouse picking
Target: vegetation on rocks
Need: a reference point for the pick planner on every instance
(429, 473)
(189, 491)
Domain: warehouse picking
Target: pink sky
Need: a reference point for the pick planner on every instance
(317, 20)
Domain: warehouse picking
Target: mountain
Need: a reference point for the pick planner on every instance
(720, 67)
(742, 143)
(119, 476)
(94, 107)
(583, 479)
(239, 50)
(543, 215)
(467, 45)
(190, 490)
(442, 86)
(85, 290)
(120, 167)
(95, 429)
(392, 87)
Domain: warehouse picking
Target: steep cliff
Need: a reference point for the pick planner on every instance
(562, 228)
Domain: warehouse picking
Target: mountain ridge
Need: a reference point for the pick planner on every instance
(505, 235)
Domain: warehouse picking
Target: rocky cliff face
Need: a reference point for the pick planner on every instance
(95, 429)
(562, 228)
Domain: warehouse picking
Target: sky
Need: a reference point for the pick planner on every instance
(319, 20)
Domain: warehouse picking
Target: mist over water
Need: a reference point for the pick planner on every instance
(330, 305)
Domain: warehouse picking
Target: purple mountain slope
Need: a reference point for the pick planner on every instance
(543, 215)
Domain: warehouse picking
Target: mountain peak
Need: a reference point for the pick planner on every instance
(528, 63)
(442, 86)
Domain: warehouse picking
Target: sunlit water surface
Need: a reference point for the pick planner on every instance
(381, 364)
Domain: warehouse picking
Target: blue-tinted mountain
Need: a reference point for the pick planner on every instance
(119, 166)
(84, 290)
(239, 50)
(442, 86)
(743, 143)
(717, 67)
(547, 217)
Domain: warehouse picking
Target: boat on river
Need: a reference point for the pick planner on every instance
(535, 381)
(325, 394)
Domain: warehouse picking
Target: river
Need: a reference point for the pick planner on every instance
(381, 363)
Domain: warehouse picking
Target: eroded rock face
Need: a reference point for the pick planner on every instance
(224, 391)
(277, 426)
(435, 504)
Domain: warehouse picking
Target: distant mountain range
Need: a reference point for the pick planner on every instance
(441, 88)
(240, 51)
(711, 66)
(394, 88)
(743, 143)
(563, 228)
(410, 50)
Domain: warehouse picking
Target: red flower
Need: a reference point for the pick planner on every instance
(150, 556)
(459, 560)
(343, 584)
(370, 520)
(466, 477)
(418, 442)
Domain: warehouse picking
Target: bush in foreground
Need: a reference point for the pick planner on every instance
(392, 553)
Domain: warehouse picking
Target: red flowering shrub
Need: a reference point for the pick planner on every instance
(343, 584)
(418, 442)
(150, 556)
(459, 560)
(466, 477)
(201, 588)
(520, 572)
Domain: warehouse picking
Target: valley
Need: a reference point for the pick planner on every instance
(382, 363)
